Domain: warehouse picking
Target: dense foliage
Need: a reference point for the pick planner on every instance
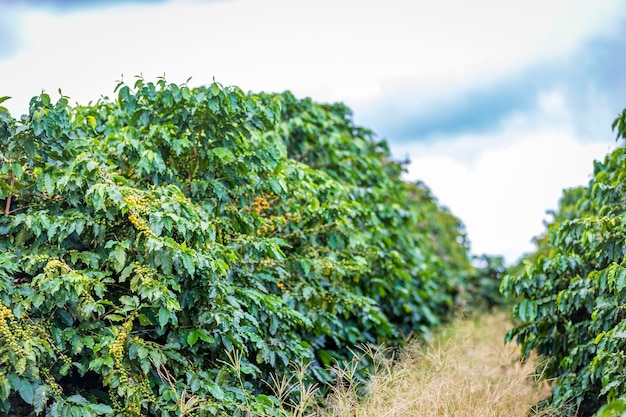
(572, 298)
(165, 252)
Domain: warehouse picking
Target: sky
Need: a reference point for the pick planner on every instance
(498, 104)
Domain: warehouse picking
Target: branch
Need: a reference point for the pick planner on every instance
(7, 207)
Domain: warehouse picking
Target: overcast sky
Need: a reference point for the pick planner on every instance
(498, 104)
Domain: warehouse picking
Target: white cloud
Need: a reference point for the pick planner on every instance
(501, 183)
(502, 194)
(552, 103)
(330, 49)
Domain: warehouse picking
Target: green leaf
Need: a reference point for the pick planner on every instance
(65, 369)
(188, 263)
(49, 184)
(325, 357)
(77, 399)
(527, 310)
(126, 272)
(20, 366)
(620, 283)
(26, 392)
(98, 363)
(5, 388)
(101, 408)
(17, 170)
(164, 316)
(224, 154)
(144, 320)
(66, 317)
(132, 302)
(205, 336)
(119, 257)
(215, 391)
(192, 337)
(115, 317)
(22, 237)
(29, 148)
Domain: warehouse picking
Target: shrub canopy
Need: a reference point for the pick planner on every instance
(572, 293)
(187, 243)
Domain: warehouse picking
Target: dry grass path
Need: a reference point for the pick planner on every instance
(466, 372)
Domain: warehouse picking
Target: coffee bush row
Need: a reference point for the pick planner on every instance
(167, 251)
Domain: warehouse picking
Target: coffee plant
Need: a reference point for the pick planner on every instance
(571, 293)
(166, 252)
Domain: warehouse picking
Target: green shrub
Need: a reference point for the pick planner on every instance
(571, 293)
(166, 252)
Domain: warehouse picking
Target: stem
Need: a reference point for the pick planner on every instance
(7, 207)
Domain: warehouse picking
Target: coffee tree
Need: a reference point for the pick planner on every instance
(166, 252)
(571, 293)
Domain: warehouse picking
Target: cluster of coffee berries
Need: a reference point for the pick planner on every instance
(139, 222)
(5, 313)
(52, 384)
(88, 298)
(292, 217)
(100, 220)
(219, 234)
(118, 406)
(145, 391)
(66, 359)
(266, 229)
(327, 267)
(274, 223)
(53, 266)
(138, 208)
(40, 258)
(144, 272)
(260, 204)
(138, 204)
(117, 351)
(121, 409)
(9, 332)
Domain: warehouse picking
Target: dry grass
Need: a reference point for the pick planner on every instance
(466, 372)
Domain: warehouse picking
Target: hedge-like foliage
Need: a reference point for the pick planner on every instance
(572, 304)
(165, 252)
